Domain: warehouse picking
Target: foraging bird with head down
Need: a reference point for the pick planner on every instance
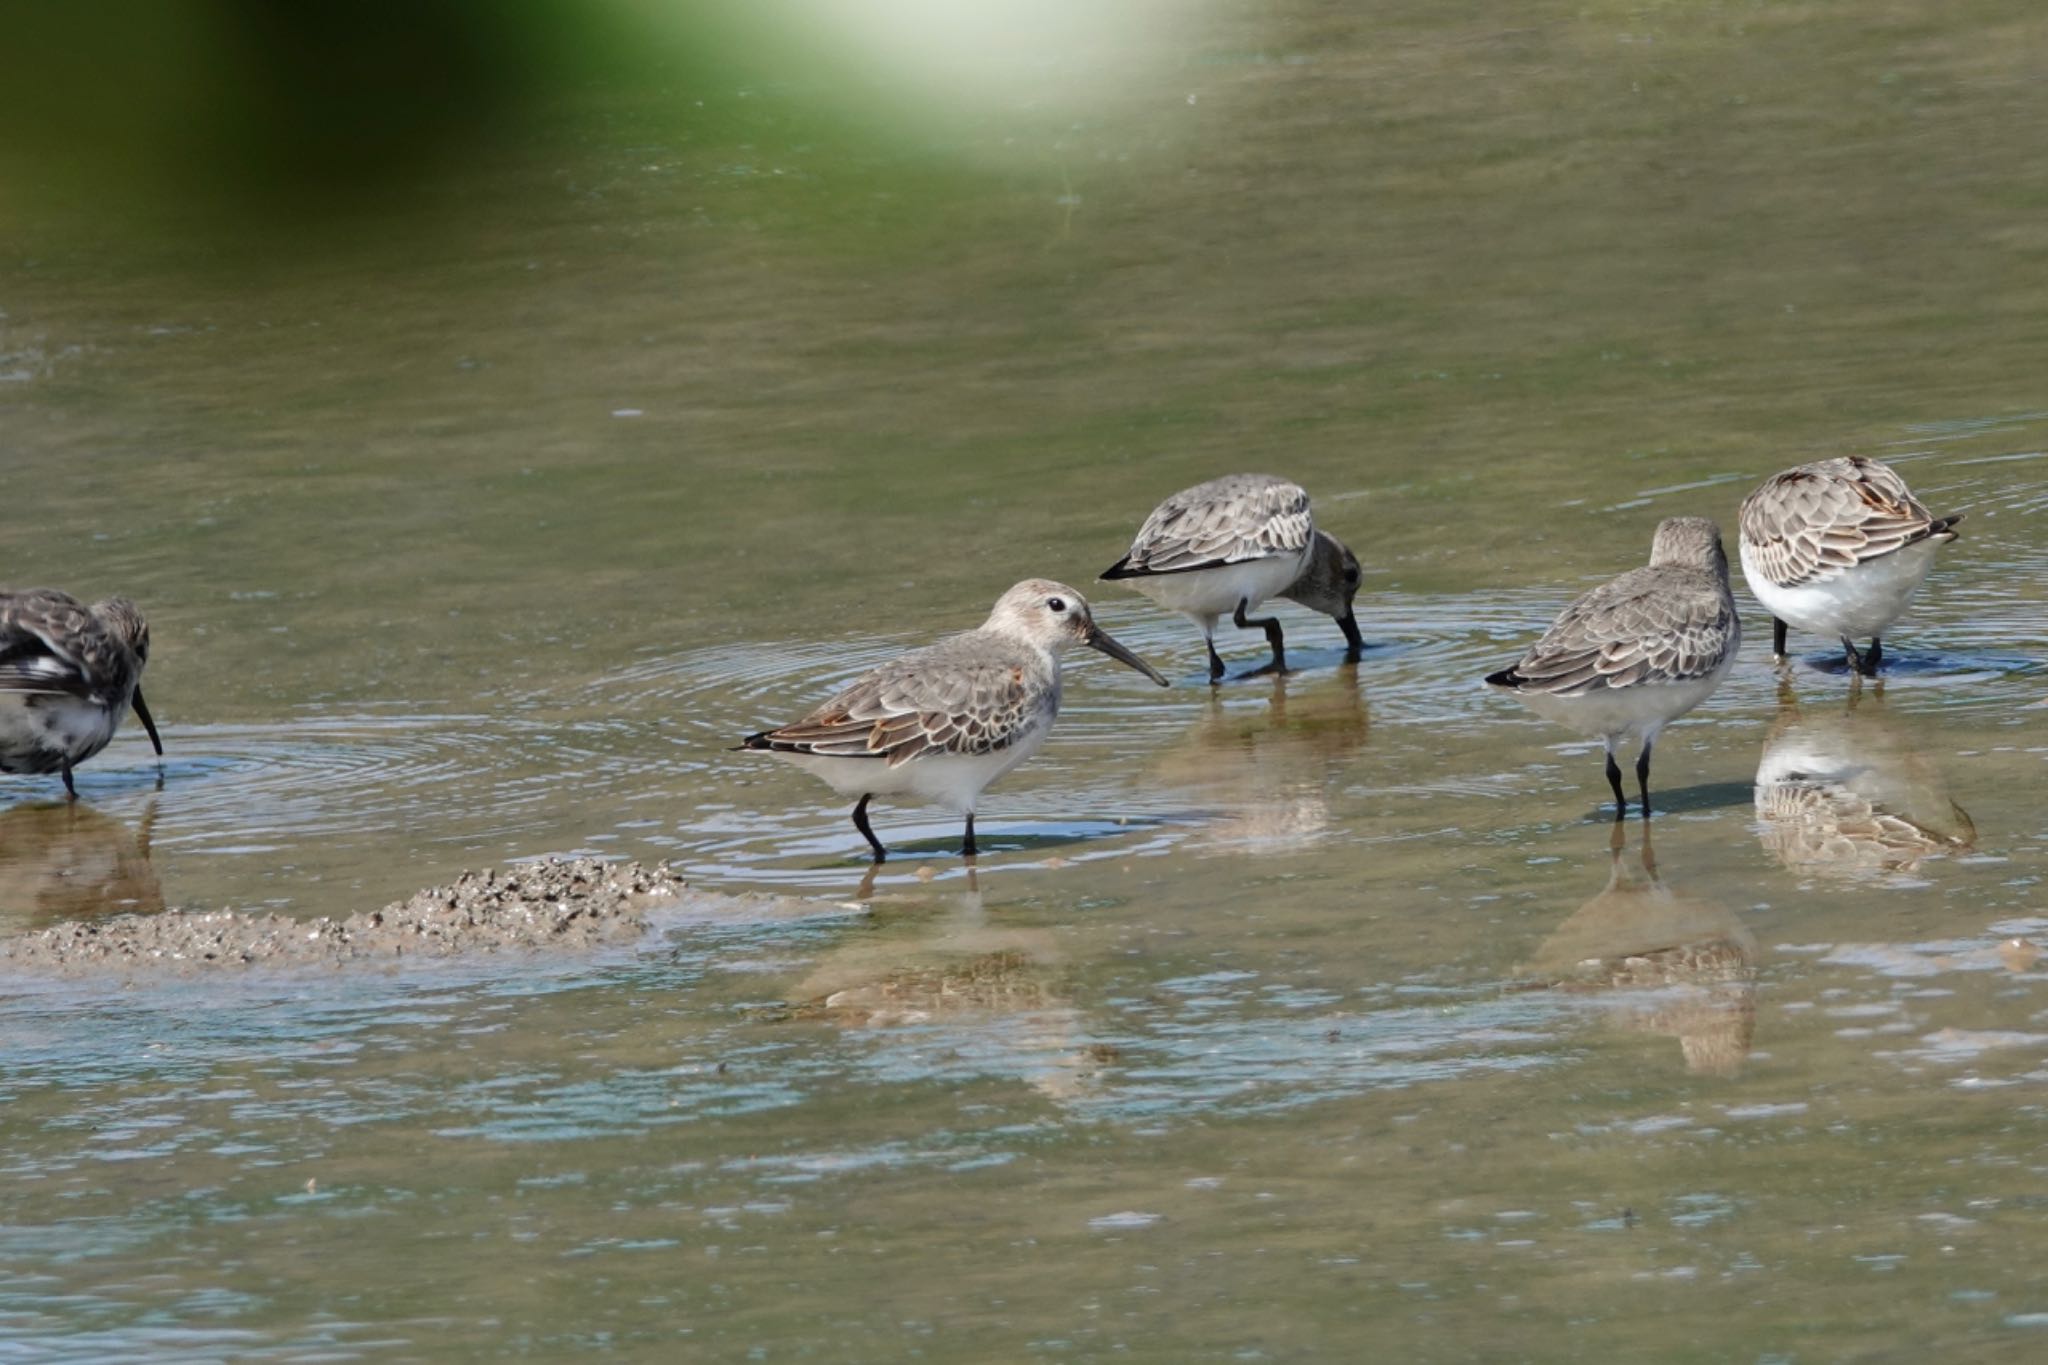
(940, 724)
(68, 674)
(1223, 547)
(1637, 652)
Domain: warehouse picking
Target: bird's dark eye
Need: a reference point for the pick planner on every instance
(1056, 603)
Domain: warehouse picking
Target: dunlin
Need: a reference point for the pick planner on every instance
(1637, 652)
(1223, 547)
(68, 673)
(1838, 547)
(941, 723)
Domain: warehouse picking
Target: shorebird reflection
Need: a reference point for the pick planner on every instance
(994, 995)
(66, 860)
(1672, 964)
(1843, 793)
(1263, 771)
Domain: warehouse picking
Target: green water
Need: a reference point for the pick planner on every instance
(1260, 1030)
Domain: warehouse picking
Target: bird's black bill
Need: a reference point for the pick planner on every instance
(142, 714)
(1349, 625)
(1099, 640)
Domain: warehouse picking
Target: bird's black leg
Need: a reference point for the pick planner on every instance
(1855, 659)
(1643, 777)
(860, 822)
(1215, 661)
(1778, 633)
(1614, 781)
(70, 791)
(967, 848)
(1873, 656)
(1271, 625)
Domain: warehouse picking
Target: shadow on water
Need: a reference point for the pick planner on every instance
(1917, 663)
(1699, 796)
(822, 858)
(1300, 662)
(1013, 836)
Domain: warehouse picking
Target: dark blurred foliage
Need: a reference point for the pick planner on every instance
(290, 106)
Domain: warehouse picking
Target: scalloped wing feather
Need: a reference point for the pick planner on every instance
(1823, 518)
(1661, 624)
(964, 696)
(52, 645)
(1225, 521)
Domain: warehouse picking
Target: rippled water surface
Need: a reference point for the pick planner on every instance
(1319, 1017)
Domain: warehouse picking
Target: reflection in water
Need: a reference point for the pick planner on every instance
(65, 860)
(1692, 961)
(1264, 771)
(1845, 794)
(986, 997)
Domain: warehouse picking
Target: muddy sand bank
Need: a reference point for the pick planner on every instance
(557, 904)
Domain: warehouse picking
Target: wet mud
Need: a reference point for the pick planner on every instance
(568, 904)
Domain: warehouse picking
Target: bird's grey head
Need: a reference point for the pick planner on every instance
(1050, 615)
(124, 619)
(1329, 583)
(1054, 617)
(1690, 542)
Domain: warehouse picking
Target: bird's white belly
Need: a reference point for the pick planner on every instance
(952, 781)
(1206, 594)
(1618, 714)
(1856, 602)
(39, 738)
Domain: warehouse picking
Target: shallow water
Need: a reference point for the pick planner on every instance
(1273, 1018)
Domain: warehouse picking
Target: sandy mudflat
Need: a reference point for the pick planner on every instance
(568, 903)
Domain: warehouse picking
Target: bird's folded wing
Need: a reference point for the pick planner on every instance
(1632, 630)
(1230, 527)
(51, 646)
(919, 704)
(1801, 526)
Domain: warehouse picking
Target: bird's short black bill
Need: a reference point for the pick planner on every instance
(142, 714)
(1349, 625)
(1098, 639)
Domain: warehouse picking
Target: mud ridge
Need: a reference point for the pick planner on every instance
(554, 903)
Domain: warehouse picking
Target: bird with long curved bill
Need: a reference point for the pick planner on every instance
(940, 724)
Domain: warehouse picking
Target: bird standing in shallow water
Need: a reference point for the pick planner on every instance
(1223, 547)
(1838, 547)
(68, 673)
(940, 724)
(1637, 652)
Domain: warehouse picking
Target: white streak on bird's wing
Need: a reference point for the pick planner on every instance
(51, 645)
(1659, 624)
(972, 694)
(1226, 521)
(1822, 518)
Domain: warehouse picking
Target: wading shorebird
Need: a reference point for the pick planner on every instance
(1838, 547)
(1637, 652)
(1223, 547)
(941, 723)
(68, 673)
